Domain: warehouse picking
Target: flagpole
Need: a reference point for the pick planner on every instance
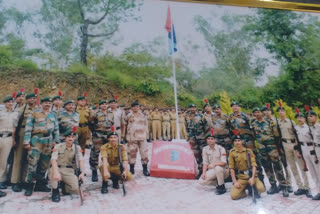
(174, 83)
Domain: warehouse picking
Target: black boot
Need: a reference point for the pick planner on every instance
(199, 175)
(290, 189)
(299, 192)
(41, 187)
(115, 182)
(145, 170)
(55, 197)
(285, 192)
(308, 193)
(16, 188)
(132, 168)
(3, 185)
(104, 188)
(273, 189)
(29, 189)
(94, 176)
(316, 197)
(63, 188)
(2, 194)
(221, 189)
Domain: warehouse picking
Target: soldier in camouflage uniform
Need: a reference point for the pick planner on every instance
(56, 104)
(101, 121)
(41, 134)
(195, 124)
(221, 129)
(267, 148)
(208, 116)
(241, 122)
(67, 118)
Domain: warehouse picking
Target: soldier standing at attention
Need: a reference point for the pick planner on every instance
(289, 143)
(242, 175)
(67, 118)
(214, 164)
(173, 123)
(182, 121)
(135, 123)
(156, 124)
(19, 100)
(208, 116)
(269, 153)
(195, 129)
(117, 115)
(8, 124)
(165, 119)
(57, 103)
(41, 134)
(20, 163)
(110, 167)
(102, 121)
(83, 130)
(63, 167)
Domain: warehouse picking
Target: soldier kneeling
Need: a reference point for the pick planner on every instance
(63, 167)
(110, 167)
(242, 164)
(214, 164)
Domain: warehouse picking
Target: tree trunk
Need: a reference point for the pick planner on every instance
(84, 43)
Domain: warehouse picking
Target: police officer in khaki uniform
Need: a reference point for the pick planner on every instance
(8, 124)
(240, 171)
(173, 124)
(19, 100)
(182, 125)
(156, 124)
(110, 167)
(63, 166)
(165, 120)
(214, 164)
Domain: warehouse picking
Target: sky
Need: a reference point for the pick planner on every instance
(153, 15)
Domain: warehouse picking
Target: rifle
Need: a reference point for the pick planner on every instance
(253, 187)
(121, 169)
(78, 172)
(280, 146)
(313, 152)
(299, 145)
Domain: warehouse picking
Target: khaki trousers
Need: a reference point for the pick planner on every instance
(214, 176)
(156, 130)
(183, 131)
(20, 162)
(5, 147)
(240, 193)
(116, 171)
(313, 168)
(166, 130)
(68, 177)
(173, 126)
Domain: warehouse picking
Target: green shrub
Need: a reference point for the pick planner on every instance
(5, 55)
(27, 64)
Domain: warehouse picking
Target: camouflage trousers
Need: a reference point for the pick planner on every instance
(270, 160)
(133, 146)
(197, 145)
(225, 142)
(38, 158)
(97, 142)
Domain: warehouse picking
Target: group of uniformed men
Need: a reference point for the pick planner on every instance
(237, 147)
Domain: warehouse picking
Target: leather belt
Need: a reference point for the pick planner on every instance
(118, 128)
(243, 172)
(6, 134)
(81, 125)
(288, 141)
(71, 167)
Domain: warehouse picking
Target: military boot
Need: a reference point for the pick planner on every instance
(16, 187)
(29, 189)
(285, 192)
(316, 197)
(145, 170)
(273, 189)
(55, 197)
(221, 189)
(299, 192)
(104, 188)
(63, 188)
(308, 193)
(41, 187)
(2, 194)
(132, 168)
(115, 182)
(94, 177)
(199, 175)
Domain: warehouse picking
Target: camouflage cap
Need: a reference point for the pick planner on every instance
(56, 97)
(46, 99)
(192, 105)
(234, 103)
(256, 109)
(102, 102)
(7, 99)
(30, 95)
(68, 102)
